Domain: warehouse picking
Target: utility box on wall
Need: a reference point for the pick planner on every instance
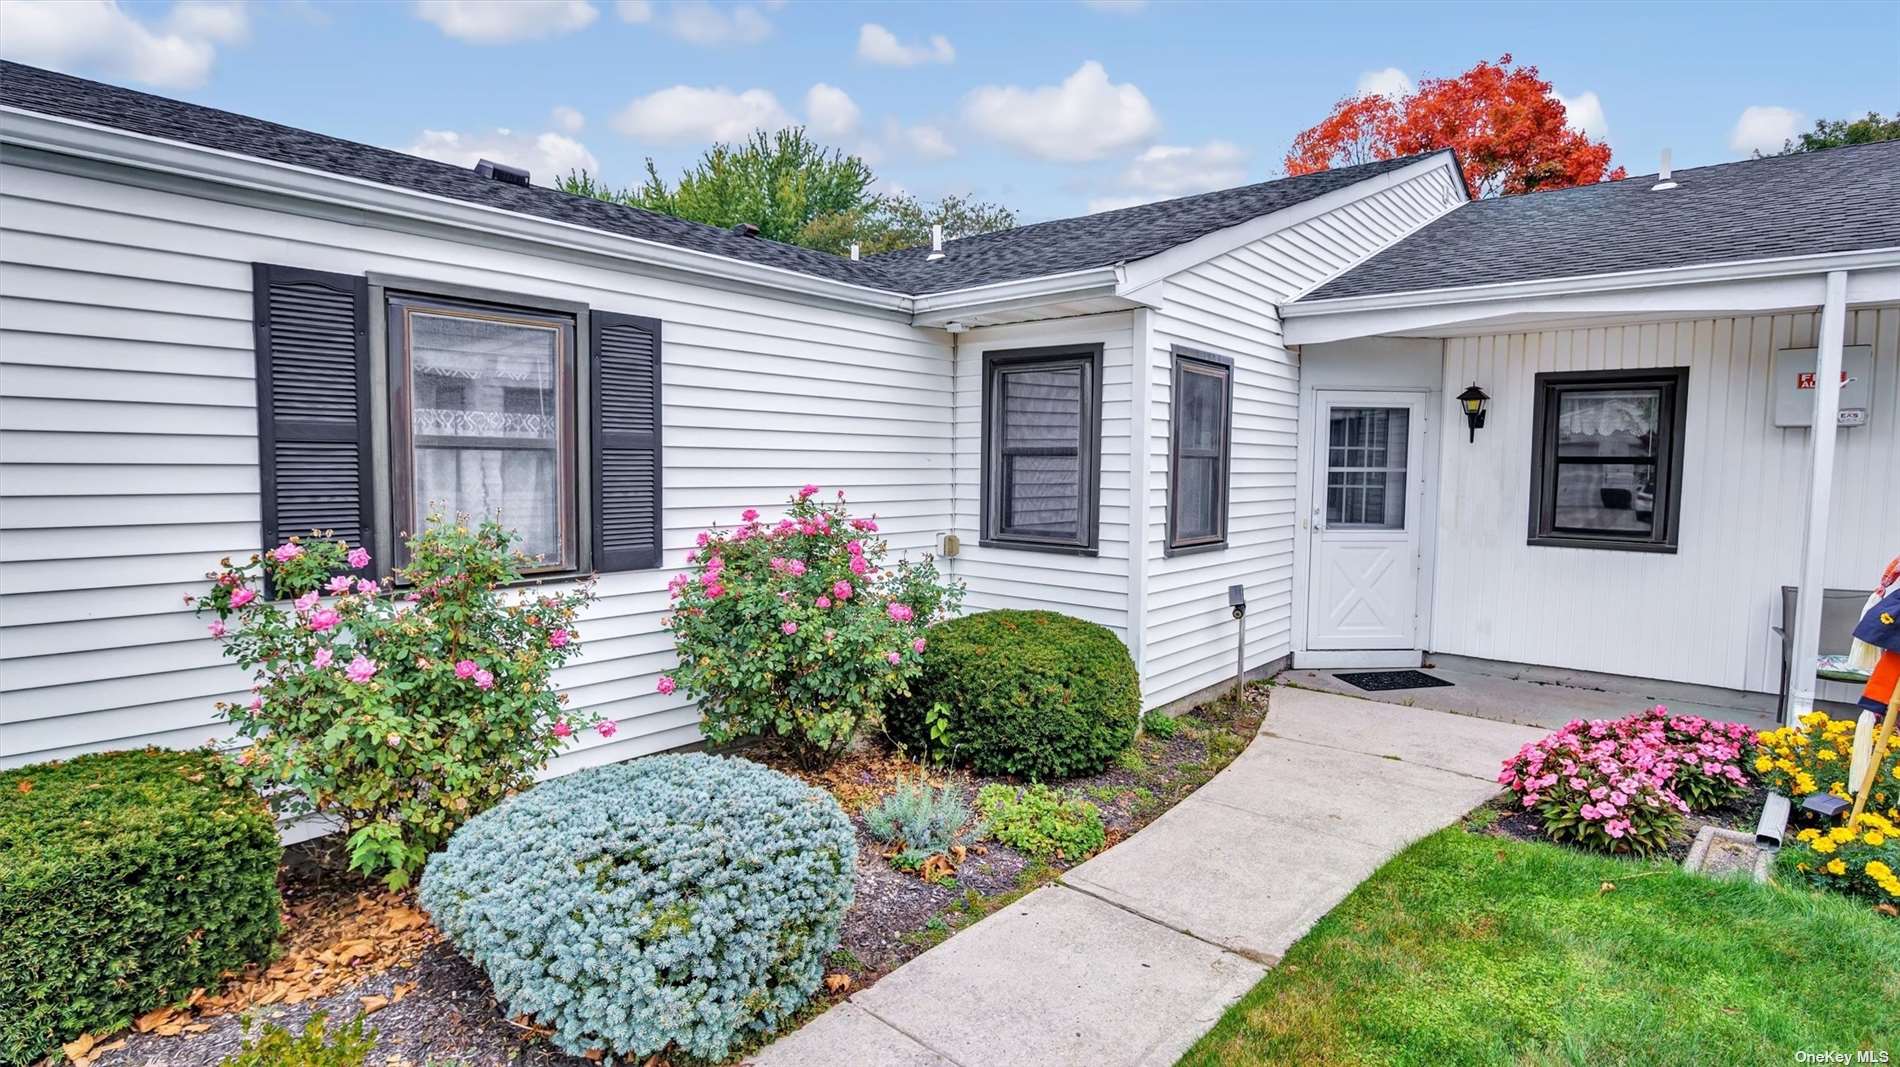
(1794, 385)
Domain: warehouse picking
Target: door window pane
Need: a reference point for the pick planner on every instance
(487, 433)
(1366, 467)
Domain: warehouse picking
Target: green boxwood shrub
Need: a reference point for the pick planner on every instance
(126, 880)
(672, 903)
(1032, 693)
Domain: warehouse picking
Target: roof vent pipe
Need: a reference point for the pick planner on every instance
(746, 229)
(501, 172)
(936, 241)
(854, 251)
(1662, 176)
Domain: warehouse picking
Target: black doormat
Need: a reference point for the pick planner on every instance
(1379, 681)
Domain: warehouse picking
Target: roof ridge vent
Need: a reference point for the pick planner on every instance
(936, 242)
(1662, 175)
(502, 172)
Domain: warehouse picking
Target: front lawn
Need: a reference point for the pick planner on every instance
(1476, 949)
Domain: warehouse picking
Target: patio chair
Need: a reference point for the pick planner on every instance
(1840, 611)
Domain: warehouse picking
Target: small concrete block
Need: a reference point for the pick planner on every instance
(1719, 853)
(844, 1036)
(1252, 883)
(1460, 743)
(1060, 977)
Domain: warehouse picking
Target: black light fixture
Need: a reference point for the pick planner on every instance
(1473, 400)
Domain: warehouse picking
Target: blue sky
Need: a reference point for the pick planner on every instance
(1054, 108)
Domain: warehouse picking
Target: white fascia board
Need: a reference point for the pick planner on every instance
(937, 309)
(1751, 286)
(28, 129)
(1144, 272)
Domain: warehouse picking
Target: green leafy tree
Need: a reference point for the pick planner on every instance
(800, 192)
(1836, 133)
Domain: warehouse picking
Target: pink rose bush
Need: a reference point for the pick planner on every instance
(402, 716)
(1623, 785)
(800, 628)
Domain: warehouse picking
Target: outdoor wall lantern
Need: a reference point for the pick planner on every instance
(1473, 400)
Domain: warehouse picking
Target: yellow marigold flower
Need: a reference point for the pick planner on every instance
(1823, 845)
(1762, 763)
(1827, 754)
(1874, 837)
(1807, 835)
(1841, 835)
(1878, 870)
(1835, 866)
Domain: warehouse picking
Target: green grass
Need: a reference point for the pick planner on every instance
(1467, 949)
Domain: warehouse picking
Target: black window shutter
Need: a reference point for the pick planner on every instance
(313, 403)
(626, 441)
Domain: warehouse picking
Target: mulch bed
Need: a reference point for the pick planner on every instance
(351, 947)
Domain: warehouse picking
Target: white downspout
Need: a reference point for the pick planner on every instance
(1827, 405)
(1141, 466)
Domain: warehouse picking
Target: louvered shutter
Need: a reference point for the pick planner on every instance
(313, 403)
(626, 441)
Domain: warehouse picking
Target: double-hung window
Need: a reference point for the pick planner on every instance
(1606, 468)
(1200, 442)
(1042, 447)
(384, 402)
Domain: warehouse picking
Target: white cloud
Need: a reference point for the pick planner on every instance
(830, 111)
(567, 119)
(699, 22)
(99, 36)
(504, 21)
(879, 45)
(1584, 113)
(1165, 171)
(1084, 118)
(548, 157)
(634, 10)
(1390, 82)
(1764, 128)
(687, 113)
(925, 142)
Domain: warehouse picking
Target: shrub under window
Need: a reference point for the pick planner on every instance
(127, 879)
(674, 903)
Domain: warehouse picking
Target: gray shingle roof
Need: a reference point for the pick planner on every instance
(1838, 200)
(1029, 251)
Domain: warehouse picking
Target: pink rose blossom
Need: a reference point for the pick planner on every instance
(256, 704)
(796, 567)
(841, 589)
(667, 685)
(242, 595)
(322, 659)
(822, 602)
(361, 669)
(286, 552)
(894, 658)
(608, 728)
(858, 566)
(558, 638)
(367, 587)
(864, 525)
(484, 680)
(750, 514)
(808, 490)
(898, 612)
(917, 646)
(703, 539)
(308, 601)
(856, 548)
(715, 591)
(339, 585)
(324, 620)
(216, 627)
(466, 668)
(788, 627)
(562, 729)
(358, 558)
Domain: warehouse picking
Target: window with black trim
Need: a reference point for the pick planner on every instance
(1042, 447)
(1200, 441)
(482, 421)
(1606, 468)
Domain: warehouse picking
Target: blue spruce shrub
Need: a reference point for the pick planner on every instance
(675, 902)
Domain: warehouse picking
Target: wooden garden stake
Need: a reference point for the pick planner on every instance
(1879, 756)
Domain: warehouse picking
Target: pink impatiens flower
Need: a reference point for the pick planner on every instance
(322, 659)
(361, 669)
(242, 595)
(324, 620)
(358, 558)
(667, 685)
(217, 627)
(608, 728)
(466, 668)
(898, 612)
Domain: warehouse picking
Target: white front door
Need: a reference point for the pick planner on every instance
(1368, 504)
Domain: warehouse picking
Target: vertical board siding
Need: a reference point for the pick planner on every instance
(128, 446)
(1090, 587)
(1702, 614)
(1230, 306)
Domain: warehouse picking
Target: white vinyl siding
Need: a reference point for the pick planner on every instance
(1229, 306)
(1702, 614)
(128, 447)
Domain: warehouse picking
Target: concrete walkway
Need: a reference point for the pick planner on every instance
(1132, 956)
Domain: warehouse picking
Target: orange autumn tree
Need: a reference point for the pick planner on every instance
(1506, 125)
